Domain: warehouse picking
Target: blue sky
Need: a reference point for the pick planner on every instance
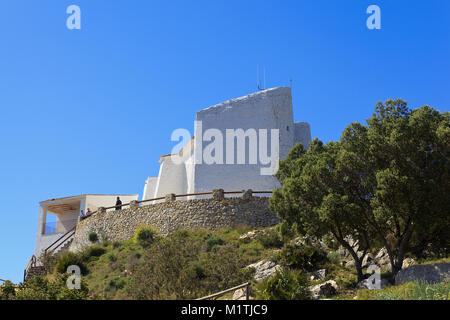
(91, 110)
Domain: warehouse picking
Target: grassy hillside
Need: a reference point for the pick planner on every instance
(188, 265)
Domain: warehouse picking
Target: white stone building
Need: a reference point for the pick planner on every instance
(264, 110)
(267, 130)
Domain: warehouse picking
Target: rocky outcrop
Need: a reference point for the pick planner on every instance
(381, 259)
(318, 275)
(240, 294)
(430, 273)
(408, 262)
(251, 235)
(264, 269)
(326, 289)
(308, 241)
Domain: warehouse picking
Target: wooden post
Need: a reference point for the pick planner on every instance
(170, 197)
(134, 205)
(247, 294)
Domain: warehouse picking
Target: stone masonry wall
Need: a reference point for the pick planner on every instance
(213, 214)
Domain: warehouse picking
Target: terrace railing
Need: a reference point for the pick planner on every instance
(61, 240)
(176, 196)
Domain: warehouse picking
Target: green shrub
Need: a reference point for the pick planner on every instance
(145, 235)
(92, 253)
(111, 257)
(334, 257)
(184, 268)
(40, 288)
(93, 237)
(284, 285)
(7, 291)
(106, 243)
(286, 231)
(116, 283)
(48, 260)
(270, 239)
(116, 244)
(213, 241)
(303, 257)
(68, 259)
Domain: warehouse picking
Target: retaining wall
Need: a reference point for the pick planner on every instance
(213, 214)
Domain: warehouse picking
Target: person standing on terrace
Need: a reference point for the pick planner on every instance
(118, 204)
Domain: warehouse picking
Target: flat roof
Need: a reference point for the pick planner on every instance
(253, 95)
(84, 195)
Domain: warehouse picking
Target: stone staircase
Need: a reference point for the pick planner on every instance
(34, 271)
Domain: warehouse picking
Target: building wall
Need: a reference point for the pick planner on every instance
(268, 109)
(302, 133)
(44, 241)
(63, 222)
(171, 179)
(150, 188)
(168, 217)
(67, 220)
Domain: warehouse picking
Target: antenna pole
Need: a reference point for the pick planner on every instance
(264, 77)
(257, 76)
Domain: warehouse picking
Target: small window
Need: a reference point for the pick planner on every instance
(287, 128)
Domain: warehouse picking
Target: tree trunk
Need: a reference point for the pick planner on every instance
(358, 260)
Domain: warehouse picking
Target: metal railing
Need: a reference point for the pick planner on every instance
(61, 240)
(221, 293)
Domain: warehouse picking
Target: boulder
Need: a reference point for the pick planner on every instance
(326, 289)
(408, 262)
(382, 259)
(251, 235)
(367, 261)
(350, 263)
(264, 269)
(240, 294)
(430, 273)
(308, 241)
(318, 274)
(345, 254)
(380, 254)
